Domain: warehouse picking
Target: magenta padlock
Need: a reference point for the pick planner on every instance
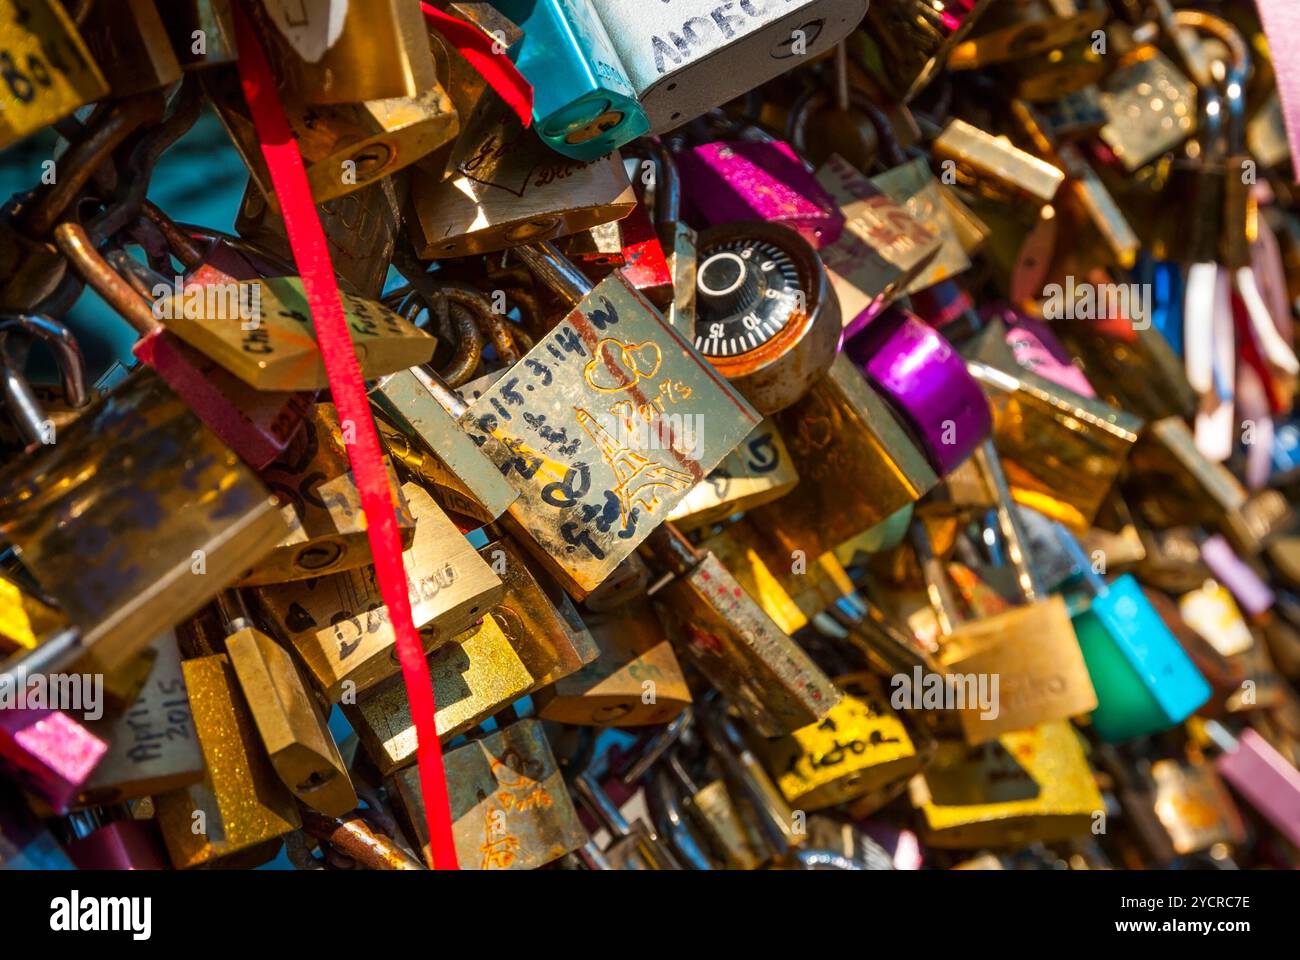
(1247, 587)
(1036, 348)
(925, 380)
(99, 844)
(729, 181)
(1263, 776)
(52, 754)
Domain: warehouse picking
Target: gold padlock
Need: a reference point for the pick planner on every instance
(475, 675)
(510, 808)
(290, 724)
(340, 626)
(131, 46)
(237, 814)
(24, 619)
(177, 516)
(321, 506)
(202, 32)
(634, 681)
(1194, 806)
(756, 472)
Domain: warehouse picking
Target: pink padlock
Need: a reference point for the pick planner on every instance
(726, 182)
(1263, 776)
(51, 753)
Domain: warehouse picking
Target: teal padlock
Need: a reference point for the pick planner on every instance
(1145, 683)
(584, 106)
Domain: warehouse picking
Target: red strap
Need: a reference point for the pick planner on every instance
(496, 68)
(307, 240)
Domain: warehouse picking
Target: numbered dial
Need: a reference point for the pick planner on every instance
(765, 314)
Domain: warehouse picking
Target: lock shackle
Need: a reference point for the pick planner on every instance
(1013, 531)
(742, 768)
(65, 347)
(501, 332)
(425, 293)
(75, 244)
(266, 263)
(555, 270)
(233, 611)
(672, 822)
(668, 184)
(935, 577)
(84, 157)
(599, 805)
(657, 746)
(356, 838)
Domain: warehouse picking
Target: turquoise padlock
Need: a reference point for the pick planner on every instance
(584, 106)
(1145, 683)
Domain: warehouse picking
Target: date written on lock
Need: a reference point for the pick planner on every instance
(604, 426)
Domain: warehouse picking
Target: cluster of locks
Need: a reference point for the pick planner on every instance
(817, 434)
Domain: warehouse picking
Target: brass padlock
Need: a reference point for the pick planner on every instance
(1025, 787)
(510, 808)
(766, 675)
(361, 52)
(57, 74)
(288, 720)
(538, 618)
(236, 816)
(634, 681)
(462, 478)
(1194, 806)
(904, 44)
(321, 506)
(758, 471)
(475, 675)
(842, 429)
(25, 619)
(131, 46)
(507, 187)
(340, 626)
(598, 423)
(1150, 107)
(177, 517)
(1022, 28)
(153, 747)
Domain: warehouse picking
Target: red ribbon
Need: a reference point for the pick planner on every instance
(307, 241)
(496, 68)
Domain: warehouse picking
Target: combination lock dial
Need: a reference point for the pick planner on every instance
(765, 314)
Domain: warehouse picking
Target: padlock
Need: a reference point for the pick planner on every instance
(1150, 107)
(756, 472)
(763, 179)
(27, 411)
(1029, 651)
(152, 746)
(49, 751)
(348, 55)
(842, 428)
(25, 619)
(131, 46)
(860, 746)
(238, 813)
(1194, 807)
(340, 626)
(507, 187)
(321, 506)
(925, 379)
(361, 230)
(276, 348)
(633, 844)
(1145, 683)
(1023, 28)
(905, 43)
(257, 427)
(465, 481)
(882, 249)
(510, 809)
(585, 454)
(110, 839)
(634, 681)
(1257, 771)
(202, 32)
(584, 104)
(1062, 451)
(996, 168)
(293, 731)
(170, 499)
(54, 73)
(1211, 612)
(1060, 74)
(1025, 787)
(768, 677)
(678, 241)
(936, 207)
(345, 146)
(835, 119)
(538, 619)
(1034, 347)
(476, 674)
(699, 55)
(766, 316)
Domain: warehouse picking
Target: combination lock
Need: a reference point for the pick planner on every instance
(766, 316)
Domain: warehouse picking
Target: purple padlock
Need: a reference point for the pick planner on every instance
(729, 181)
(925, 380)
(1035, 347)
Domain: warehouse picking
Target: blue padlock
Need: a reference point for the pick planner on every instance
(1144, 680)
(584, 106)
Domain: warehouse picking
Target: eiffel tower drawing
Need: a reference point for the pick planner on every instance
(638, 476)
